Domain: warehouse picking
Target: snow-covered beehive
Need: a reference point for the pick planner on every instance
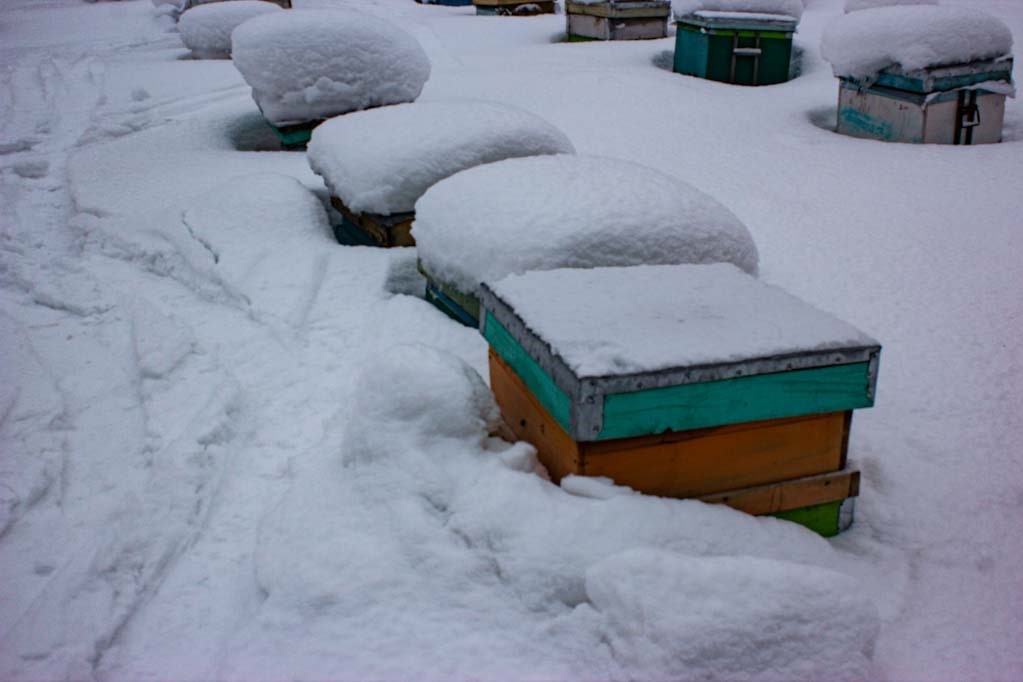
(546, 212)
(378, 163)
(206, 29)
(921, 73)
(310, 65)
(617, 19)
(514, 7)
(682, 381)
(746, 42)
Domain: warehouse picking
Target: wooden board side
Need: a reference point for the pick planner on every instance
(791, 494)
(529, 421)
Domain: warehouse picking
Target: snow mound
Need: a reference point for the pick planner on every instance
(857, 5)
(547, 212)
(860, 44)
(313, 64)
(206, 29)
(381, 161)
(715, 313)
(792, 8)
(441, 398)
(733, 618)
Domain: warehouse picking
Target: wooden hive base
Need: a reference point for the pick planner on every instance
(370, 229)
(683, 464)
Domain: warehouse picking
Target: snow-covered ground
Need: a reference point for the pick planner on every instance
(230, 448)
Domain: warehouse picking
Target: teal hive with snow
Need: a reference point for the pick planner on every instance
(746, 42)
(920, 73)
(616, 19)
(376, 164)
(564, 211)
(310, 65)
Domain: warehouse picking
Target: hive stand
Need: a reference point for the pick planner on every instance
(955, 104)
(735, 47)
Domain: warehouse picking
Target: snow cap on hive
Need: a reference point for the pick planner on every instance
(857, 5)
(546, 212)
(381, 161)
(612, 321)
(791, 8)
(860, 44)
(310, 65)
(206, 29)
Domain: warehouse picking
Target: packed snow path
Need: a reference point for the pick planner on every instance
(206, 471)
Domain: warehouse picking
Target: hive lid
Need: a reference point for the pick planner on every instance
(695, 322)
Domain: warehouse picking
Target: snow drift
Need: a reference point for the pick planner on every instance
(313, 64)
(381, 161)
(206, 29)
(860, 44)
(570, 211)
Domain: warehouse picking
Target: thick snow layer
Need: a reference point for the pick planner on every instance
(860, 44)
(381, 161)
(659, 317)
(206, 29)
(732, 618)
(548, 212)
(313, 64)
(857, 5)
(791, 8)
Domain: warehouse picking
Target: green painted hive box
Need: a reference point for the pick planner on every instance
(295, 137)
(623, 352)
(743, 48)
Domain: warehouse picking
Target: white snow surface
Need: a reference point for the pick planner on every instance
(860, 44)
(381, 161)
(314, 64)
(206, 29)
(791, 8)
(191, 488)
(857, 5)
(659, 317)
(547, 212)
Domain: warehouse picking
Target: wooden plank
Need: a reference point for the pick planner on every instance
(620, 11)
(731, 401)
(689, 464)
(792, 494)
(530, 422)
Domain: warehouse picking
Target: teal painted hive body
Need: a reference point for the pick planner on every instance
(295, 137)
(729, 48)
(956, 104)
(680, 398)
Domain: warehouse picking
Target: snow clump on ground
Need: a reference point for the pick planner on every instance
(570, 211)
(857, 5)
(792, 8)
(860, 44)
(382, 161)
(313, 64)
(206, 29)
